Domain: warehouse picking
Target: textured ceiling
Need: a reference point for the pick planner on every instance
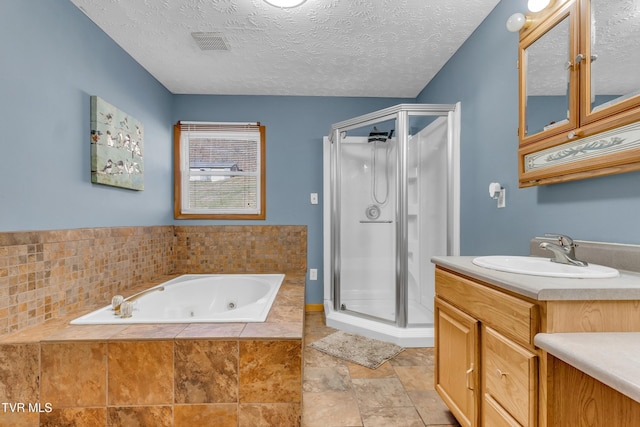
(377, 48)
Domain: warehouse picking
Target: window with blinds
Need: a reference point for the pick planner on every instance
(219, 170)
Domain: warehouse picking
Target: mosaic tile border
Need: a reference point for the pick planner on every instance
(46, 274)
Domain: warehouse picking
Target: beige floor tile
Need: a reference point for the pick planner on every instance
(314, 321)
(316, 379)
(400, 393)
(415, 378)
(391, 417)
(431, 408)
(383, 371)
(330, 409)
(313, 357)
(414, 357)
(380, 392)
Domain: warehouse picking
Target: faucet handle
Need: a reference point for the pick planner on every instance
(564, 240)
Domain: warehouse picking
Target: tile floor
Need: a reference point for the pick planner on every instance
(399, 393)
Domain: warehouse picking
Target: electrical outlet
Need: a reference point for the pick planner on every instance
(313, 274)
(314, 198)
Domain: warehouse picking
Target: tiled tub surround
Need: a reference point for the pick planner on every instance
(46, 274)
(181, 374)
(225, 374)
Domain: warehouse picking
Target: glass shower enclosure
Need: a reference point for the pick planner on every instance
(390, 204)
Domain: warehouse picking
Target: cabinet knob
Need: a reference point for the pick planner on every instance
(573, 134)
(501, 374)
(579, 58)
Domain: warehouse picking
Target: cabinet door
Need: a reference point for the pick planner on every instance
(456, 375)
(609, 78)
(548, 77)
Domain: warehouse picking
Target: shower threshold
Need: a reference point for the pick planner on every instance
(420, 335)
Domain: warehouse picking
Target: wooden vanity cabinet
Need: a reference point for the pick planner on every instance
(488, 370)
(486, 364)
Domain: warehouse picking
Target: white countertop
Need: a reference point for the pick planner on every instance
(624, 287)
(612, 358)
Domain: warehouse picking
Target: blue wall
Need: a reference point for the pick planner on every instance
(483, 76)
(53, 58)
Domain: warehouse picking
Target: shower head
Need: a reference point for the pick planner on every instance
(377, 136)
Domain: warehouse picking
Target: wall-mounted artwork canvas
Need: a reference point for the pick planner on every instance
(116, 147)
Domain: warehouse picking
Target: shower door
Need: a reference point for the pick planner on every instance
(366, 172)
(393, 204)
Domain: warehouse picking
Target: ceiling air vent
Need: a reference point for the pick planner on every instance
(211, 41)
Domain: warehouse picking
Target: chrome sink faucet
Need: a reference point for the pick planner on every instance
(563, 251)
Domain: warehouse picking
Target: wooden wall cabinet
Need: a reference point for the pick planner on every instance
(579, 92)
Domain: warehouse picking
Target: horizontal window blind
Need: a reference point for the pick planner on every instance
(221, 169)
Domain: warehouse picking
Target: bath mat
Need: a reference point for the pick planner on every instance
(357, 349)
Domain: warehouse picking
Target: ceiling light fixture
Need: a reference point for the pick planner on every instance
(285, 4)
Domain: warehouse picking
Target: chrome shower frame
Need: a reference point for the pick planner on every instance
(401, 113)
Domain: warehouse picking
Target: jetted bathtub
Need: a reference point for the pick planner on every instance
(198, 298)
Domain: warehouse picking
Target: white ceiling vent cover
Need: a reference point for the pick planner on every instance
(211, 41)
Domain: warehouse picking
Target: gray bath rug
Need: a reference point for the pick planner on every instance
(357, 349)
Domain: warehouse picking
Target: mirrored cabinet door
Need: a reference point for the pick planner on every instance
(548, 78)
(611, 44)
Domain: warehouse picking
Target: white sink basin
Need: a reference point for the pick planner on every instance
(536, 266)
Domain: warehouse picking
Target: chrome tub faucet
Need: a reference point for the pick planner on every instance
(563, 251)
(116, 305)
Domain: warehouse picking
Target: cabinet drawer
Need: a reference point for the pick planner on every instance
(493, 415)
(509, 376)
(514, 317)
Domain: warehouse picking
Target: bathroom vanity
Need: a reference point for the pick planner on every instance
(497, 363)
